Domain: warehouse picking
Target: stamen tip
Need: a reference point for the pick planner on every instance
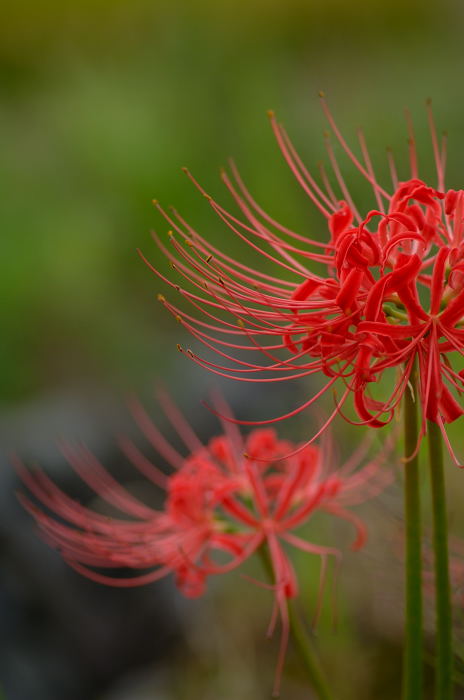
(270, 113)
(321, 94)
(161, 297)
(179, 347)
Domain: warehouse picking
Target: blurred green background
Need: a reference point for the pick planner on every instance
(101, 103)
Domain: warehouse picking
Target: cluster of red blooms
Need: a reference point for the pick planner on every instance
(218, 500)
(391, 296)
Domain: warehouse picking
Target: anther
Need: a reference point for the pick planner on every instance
(161, 297)
(411, 391)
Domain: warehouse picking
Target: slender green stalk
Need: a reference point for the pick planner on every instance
(444, 652)
(413, 664)
(307, 653)
(301, 639)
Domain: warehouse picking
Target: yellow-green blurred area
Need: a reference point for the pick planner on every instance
(101, 104)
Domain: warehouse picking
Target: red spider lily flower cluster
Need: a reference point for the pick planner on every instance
(217, 501)
(391, 294)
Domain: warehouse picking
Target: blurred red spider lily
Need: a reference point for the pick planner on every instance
(392, 291)
(218, 500)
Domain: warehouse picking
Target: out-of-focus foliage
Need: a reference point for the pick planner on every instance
(101, 102)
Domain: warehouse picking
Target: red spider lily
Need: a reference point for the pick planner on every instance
(391, 290)
(218, 500)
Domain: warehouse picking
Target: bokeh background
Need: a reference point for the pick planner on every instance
(101, 103)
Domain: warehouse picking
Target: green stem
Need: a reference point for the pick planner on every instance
(301, 639)
(307, 653)
(413, 666)
(444, 652)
